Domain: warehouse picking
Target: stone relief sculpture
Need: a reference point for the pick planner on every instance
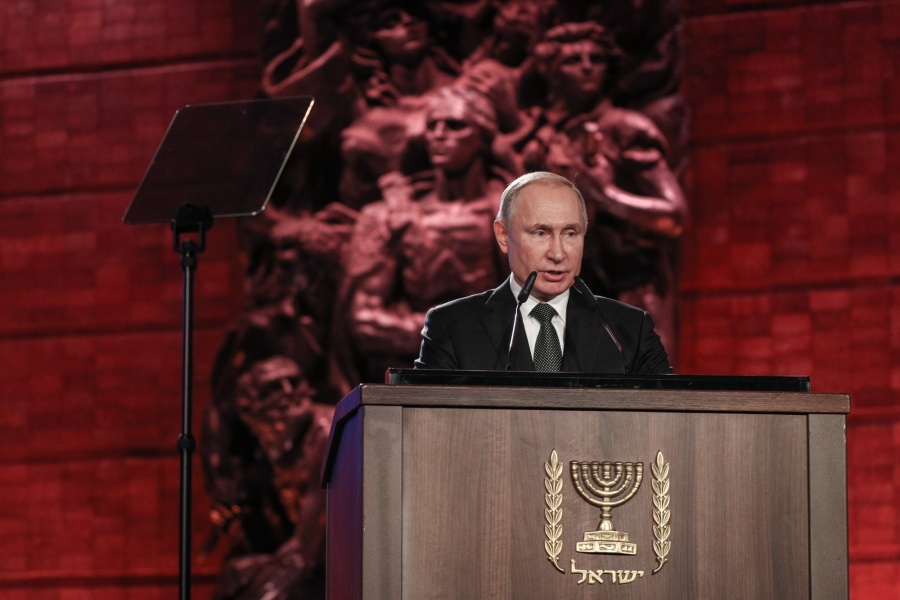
(617, 157)
(275, 509)
(426, 241)
(424, 110)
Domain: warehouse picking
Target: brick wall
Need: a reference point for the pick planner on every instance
(90, 309)
(790, 263)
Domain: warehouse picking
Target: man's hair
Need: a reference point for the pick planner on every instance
(511, 193)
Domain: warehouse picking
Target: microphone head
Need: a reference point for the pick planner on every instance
(526, 289)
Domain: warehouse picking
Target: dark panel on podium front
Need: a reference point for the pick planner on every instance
(597, 380)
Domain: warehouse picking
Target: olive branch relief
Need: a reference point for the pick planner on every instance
(661, 513)
(553, 510)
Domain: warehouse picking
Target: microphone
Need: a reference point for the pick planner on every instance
(520, 300)
(526, 289)
(592, 301)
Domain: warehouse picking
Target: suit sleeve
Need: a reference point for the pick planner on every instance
(651, 357)
(436, 351)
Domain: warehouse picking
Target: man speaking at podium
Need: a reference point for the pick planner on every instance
(559, 324)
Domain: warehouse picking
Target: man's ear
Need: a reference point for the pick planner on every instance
(502, 235)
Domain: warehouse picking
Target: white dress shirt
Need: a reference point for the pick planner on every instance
(532, 325)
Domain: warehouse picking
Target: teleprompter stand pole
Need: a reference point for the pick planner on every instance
(190, 219)
(186, 167)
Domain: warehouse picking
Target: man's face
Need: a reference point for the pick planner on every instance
(453, 142)
(545, 234)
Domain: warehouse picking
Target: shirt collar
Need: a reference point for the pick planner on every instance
(559, 303)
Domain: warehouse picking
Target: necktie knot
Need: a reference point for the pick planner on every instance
(543, 312)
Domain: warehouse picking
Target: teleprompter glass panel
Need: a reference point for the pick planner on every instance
(226, 156)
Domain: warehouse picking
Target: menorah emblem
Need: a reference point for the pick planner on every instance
(606, 485)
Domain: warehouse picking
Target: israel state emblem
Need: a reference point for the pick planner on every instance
(606, 485)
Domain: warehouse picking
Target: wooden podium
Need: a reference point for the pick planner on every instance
(488, 491)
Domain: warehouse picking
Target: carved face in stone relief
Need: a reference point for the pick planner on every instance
(274, 402)
(400, 35)
(518, 15)
(517, 24)
(453, 140)
(577, 60)
(578, 73)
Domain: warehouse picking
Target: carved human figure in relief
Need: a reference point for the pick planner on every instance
(618, 159)
(495, 68)
(515, 28)
(428, 240)
(370, 66)
(358, 54)
(275, 517)
(399, 65)
(266, 426)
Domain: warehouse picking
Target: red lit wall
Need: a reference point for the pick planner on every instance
(792, 257)
(90, 309)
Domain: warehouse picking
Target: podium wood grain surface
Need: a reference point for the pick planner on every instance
(439, 492)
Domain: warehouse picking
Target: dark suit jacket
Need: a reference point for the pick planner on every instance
(473, 333)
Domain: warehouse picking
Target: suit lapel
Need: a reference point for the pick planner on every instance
(589, 348)
(521, 352)
(498, 322)
(498, 325)
(579, 352)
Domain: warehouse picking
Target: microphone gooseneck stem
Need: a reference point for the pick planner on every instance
(513, 336)
(520, 300)
(589, 297)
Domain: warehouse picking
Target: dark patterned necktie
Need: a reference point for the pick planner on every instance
(547, 353)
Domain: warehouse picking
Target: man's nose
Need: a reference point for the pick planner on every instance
(556, 251)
